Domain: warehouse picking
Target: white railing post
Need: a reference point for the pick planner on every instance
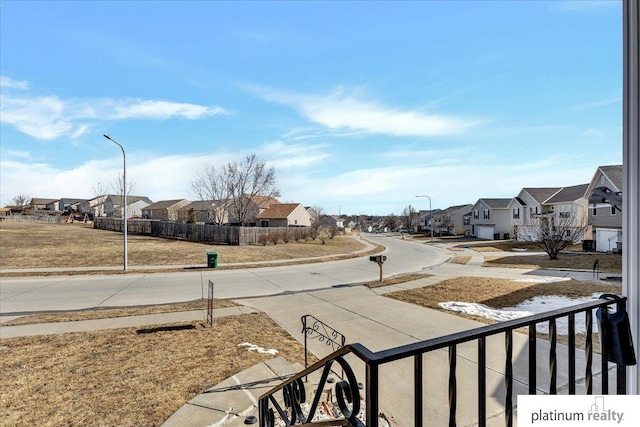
(631, 177)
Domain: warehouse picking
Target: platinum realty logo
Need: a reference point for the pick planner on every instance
(546, 410)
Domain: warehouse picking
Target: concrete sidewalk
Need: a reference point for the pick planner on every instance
(116, 322)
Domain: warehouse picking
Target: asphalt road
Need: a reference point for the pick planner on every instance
(21, 296)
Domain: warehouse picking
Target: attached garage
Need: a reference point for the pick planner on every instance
(485, 231)
(607, 239)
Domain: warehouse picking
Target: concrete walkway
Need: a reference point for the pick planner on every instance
(364, 316)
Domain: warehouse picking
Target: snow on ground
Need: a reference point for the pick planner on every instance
(253, 347)
(543, 280)
(527, 308)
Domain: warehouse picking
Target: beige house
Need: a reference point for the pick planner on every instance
(284, 215)
(166, 210)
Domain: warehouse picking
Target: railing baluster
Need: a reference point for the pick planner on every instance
(373, 404)
(453, 391)
(553, 367)
(604, 356)
(482, 382)
(508, 378)
(588, 351)
(417, 389)
(532, 359)
(572, 354)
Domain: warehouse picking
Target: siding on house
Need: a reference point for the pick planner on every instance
(492, 212)
(284, 215)
(167, 210)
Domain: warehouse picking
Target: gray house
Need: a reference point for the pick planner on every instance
(491, 219)
(453, 219)
(605, 208)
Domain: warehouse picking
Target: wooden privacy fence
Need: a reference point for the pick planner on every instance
(202, 233)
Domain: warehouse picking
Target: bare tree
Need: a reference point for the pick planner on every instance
(118, 188)
(554, 231)
(100, 189)
(21, 200)
(392, 221)
(316, 214)
(212, 184)
(409, 217)
(247, 179)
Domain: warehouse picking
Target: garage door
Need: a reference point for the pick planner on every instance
(606, 240)
(485, 232)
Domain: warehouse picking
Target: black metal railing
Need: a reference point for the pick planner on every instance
(347, 391)
(316, 329)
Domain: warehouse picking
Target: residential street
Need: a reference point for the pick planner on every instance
(20, 296)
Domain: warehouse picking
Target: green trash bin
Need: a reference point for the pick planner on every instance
(212, 259)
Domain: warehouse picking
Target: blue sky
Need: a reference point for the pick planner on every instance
(359, 106)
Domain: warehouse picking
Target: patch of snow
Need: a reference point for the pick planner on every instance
(543, 280)
(253, 347)
(535, 305)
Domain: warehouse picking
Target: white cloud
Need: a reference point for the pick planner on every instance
(8, 82)
(282, 155)
(50, 117)
(340, 111)
(158, 177)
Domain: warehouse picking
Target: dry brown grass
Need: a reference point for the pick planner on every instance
(460, 259)
(35, 245)
(496, 293)
(609, 263)
(398, 279)
(98, 313)
(120, 377)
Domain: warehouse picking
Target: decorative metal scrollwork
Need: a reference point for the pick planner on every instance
(294, 396)
(322, 332)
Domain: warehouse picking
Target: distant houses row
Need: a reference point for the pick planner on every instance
(600, 201)
(258, 210)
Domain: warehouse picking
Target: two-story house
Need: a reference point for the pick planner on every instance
(491, 219)
(452, 219)
(605, 208)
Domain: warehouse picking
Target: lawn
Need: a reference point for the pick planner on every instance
(125, 378)
(37, 245)
(608, 263)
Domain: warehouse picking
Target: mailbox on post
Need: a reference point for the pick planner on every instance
(379, 259)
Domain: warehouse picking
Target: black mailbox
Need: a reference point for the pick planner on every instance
(378, 258)
(618, 339)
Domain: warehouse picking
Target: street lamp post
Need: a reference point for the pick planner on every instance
(124, 192)
(431, 214)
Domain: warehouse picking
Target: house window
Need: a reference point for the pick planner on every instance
(516, 213)
(295, 222)
(595, 211)
(568, 233)
(476, 214)
(487, 214)
(565, 214)
(467, 221)
(613, 210)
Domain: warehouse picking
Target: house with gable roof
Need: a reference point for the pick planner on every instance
(563, 202)
(453, 219)
(112, 205)
(206, 211)
(605, 208)
(284, 215)
(166, 210)
(491, 219)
